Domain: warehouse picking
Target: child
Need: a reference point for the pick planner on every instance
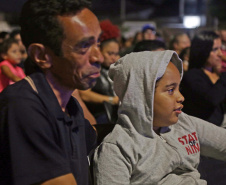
(9, 71)
(154, 142)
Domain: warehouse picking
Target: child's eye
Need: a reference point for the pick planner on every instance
(170, 91)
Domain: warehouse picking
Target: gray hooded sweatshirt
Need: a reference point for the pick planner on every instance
(133, 153)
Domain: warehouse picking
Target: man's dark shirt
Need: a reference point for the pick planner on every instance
(38, 141)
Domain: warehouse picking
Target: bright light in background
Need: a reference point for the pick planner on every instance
(191, 21)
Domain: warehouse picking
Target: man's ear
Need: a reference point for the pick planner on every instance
(38, 53)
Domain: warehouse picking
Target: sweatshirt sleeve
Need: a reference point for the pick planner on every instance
(184, 179)
(110, 166)
(212, 139)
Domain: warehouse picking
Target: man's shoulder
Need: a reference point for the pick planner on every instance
(17, 90)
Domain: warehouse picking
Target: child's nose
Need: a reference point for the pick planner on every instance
(180, 98)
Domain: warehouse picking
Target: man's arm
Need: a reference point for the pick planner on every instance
(93, 97)
(62, 180)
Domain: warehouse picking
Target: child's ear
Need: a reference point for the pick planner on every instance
(4, 56)
(38, 53)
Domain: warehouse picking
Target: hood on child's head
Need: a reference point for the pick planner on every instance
(134, 77)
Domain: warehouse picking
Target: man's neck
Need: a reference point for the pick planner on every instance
(62, 93)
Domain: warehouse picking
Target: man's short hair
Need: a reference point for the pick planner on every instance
(39, 22)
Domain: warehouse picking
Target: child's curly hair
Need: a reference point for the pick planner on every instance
(110, 31)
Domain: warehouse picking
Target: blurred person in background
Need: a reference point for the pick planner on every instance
(149, 45)
(137, 37)
(222, 33)
(15, 34)
(204, 90)
(184, 56)
(179, 42)
(149, 32)
(10, 72)
(4, 35)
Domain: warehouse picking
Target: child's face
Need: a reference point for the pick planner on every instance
(167, 99)
(13, 54)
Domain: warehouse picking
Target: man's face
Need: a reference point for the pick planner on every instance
(183, 42)
(79, 65)
(167, 99)
(111, 53)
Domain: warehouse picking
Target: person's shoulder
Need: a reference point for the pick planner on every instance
(193, 74)
(188, 120)
(5, 63)
(193, 71)
(124, 138)
(18, 91)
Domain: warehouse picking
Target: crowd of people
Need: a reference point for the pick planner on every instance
(68, 79)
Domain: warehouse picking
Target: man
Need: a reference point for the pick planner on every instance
(180, 42)
(44, 138)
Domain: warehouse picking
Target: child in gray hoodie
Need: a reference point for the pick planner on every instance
(154, 142)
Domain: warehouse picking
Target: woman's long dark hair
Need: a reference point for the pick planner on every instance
(201, 47)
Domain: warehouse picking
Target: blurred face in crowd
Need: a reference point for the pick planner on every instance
(110, 53)
(149, 35)
(183, 41)
(223, 35)
(214, 59)
(21, 45)
(13, 54)
(138, 37)
(167, 99)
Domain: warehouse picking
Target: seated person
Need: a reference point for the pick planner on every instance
(103, 90)
(184, 56)
(10, 72)
(204, 89)
(154, 142)
(179, 42)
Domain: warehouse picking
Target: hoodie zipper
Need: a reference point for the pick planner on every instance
(173, 147)
(162, 139)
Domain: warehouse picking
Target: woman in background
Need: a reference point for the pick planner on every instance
(204, 89)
